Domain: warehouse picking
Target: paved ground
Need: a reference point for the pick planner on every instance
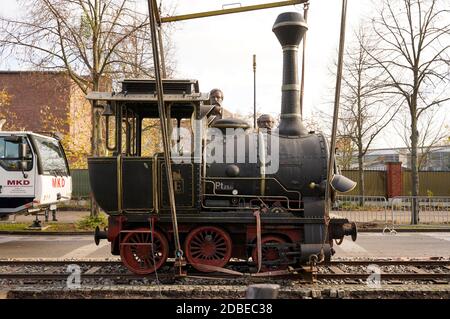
(399, 245)
(368, 245)
(37, 246)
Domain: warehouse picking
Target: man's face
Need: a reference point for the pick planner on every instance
(265, 123)
(216, 98)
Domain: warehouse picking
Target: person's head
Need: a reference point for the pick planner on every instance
(266, 121)
(216, 97)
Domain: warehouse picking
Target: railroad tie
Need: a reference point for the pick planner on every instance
(417, 270)
(336, 270)
(92, 270)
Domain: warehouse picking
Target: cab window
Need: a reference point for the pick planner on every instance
(10, 155)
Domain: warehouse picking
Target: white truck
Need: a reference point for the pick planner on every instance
(34, 174)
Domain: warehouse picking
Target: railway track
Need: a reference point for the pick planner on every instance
(435, 271)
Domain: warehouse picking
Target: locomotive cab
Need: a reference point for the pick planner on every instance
(128, 179)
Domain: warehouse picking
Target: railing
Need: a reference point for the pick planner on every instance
(432, 209)
(397, 211)
(362, 209)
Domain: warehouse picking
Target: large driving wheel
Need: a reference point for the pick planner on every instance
(142, 255)
(208, 246)
(270, 253)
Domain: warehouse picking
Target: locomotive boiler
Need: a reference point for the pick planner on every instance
(240, 193)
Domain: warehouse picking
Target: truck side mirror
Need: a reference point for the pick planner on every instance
(24, 151)
(24, 165)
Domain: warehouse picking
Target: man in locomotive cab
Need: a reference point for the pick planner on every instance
(266, 121)
(216, 99)
(214, 110)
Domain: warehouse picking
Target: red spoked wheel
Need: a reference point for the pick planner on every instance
(269, 253)
(139, 256)
(208, 246)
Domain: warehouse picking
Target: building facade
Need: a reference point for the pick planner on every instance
(48, 102)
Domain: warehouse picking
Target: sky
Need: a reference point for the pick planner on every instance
(218, 52)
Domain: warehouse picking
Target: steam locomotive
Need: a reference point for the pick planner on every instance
(262, 198)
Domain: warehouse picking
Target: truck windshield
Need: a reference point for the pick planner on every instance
(51, 156)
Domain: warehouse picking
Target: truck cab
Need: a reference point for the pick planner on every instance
(34, 173)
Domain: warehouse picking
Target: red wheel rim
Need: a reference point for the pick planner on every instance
(137, 253)
(208, 245)
(269, 253)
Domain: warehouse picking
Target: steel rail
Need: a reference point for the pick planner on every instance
(381, 262)
(217, 276)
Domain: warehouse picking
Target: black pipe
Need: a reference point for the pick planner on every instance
(290, 27)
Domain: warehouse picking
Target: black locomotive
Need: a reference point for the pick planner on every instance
(261, 200)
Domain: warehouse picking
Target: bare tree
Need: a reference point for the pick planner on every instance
(365, 109)
(86, 38)
(414, 46)
(432, 130)
(345, 151)
(81, 37)
(447, 138)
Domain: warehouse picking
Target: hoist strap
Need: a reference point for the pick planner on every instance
(257, 215)
(164, 133)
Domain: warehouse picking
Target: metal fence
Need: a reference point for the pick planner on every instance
(432, 209)
(362, 209)
(430, 183)
(80, 183)
(374, 182)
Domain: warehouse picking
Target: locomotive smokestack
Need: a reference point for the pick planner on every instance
(290, 27)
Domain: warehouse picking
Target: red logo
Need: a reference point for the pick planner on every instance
(58, 182)
(18, 182)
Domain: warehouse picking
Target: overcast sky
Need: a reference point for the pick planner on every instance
(218, 51)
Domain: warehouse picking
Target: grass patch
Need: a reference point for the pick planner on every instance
(352, 206)
(62, 227)
(53, 227)
(89, 223)
(7, 226)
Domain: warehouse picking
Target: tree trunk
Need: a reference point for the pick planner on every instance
(414, 172)
(361, 180)
(95, 148)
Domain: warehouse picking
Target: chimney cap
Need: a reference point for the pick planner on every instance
(290, 27)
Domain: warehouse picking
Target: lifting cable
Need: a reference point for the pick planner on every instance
(160, 41)
(331, 162)
(165, 136)
(257, 215)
